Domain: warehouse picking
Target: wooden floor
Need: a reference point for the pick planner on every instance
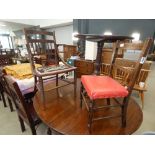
(64, 115)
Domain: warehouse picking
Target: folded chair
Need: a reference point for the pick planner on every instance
(42, 49)
(95, 88)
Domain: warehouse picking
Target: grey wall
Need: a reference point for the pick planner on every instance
(145, 27)
(63, 34)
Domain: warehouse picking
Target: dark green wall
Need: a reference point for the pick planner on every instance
(145, 27)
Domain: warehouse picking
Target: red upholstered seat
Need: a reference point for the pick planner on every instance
(102, 87)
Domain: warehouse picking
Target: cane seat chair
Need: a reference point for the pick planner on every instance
(95, 88)
(24, 108)
(43, 50)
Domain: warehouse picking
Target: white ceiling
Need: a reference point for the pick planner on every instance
(9, 26)
(18, 24)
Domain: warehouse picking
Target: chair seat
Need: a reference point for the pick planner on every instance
(98, 87)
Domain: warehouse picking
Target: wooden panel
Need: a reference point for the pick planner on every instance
(84, 67)
(69, 50)
(130, 63)
(107, 55)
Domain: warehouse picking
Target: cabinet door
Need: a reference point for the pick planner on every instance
(84, 67)
(69, 50)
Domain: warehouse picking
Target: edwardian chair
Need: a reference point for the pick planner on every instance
(24, 108)
(42, 49)
(95, 88)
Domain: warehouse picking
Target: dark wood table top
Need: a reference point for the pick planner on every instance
(64, 115)
(104, 38)
(101, 39)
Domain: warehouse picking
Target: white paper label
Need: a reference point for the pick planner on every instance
(142, 60)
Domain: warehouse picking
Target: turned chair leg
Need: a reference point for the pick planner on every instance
(3, 99)
(75, 83)
(90, 116)
(141, 94)
(81, 91)
(124, 112)
(21, 124)
(33, 130)
(49, 131)
(108, 101)
(10, 105)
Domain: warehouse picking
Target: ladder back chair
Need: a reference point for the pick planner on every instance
(25, 109)
(42, 49)
(96, 88)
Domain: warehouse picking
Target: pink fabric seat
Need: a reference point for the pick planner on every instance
(98, 87)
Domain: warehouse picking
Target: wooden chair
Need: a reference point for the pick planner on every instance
(25, 109)
(140, 84)
(28, 94)
(2, 92)
(44, 50)
(119, 74)
(6, 91)
(10, 52)
(106, 61)
(4, 60)
(107, 57)
(96, 88)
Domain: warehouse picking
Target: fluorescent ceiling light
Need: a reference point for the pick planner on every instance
(73, 36)
(107, 33)
(2, 25)
(136, 36)
(12, 34)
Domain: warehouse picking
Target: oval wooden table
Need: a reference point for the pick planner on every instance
(64, 115)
